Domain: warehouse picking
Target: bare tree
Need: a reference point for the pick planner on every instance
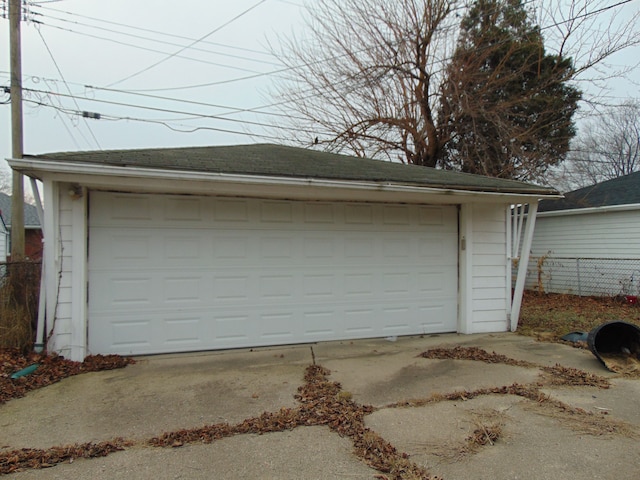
(5, 181)
(370, 76)
(367, 76)
(591, 32)
(607, 147)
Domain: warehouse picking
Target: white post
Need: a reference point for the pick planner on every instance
(523, 264)
(42, 299)
(509, 219)
(79, 277)
(51, 259)
(465, 301)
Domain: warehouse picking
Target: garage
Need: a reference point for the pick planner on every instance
(167, 250)
(174, 273)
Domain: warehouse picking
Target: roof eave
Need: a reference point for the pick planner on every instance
(588, 210)
(72, 171)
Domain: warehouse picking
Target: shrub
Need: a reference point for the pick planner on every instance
(19, 292)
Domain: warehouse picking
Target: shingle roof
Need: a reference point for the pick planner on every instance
(283, 161)
(618, 191)
(30, 212)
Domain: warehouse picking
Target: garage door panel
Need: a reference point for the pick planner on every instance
(230, 328)
(184, 248)
(182, 290)
(124, 334)
(121, 248)
(432, 216)
(358, 321)
(124, 291)
(181, 331)
(123, 210)
(358, 285)
(238, 272)
(320, 324)
(435, 318)
(319, 213)
(320, 286)
(358, 214)
(278, 327)
(229, 210)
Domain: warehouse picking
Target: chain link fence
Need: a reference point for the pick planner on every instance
(604, 277)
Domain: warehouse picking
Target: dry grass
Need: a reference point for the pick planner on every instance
(484, 435)
(625, 365)
(15, 324)
(547, 317)
(568, 376)
(580, 420)
(485, 430)
(19, 289)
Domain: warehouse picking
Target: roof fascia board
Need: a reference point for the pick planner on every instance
(113, 176)
(585, 211)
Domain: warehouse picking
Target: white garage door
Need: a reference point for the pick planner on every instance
(182, 273)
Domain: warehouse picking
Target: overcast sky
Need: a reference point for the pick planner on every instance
(133, 50)
(102, 43)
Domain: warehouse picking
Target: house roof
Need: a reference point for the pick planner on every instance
(267, 160)
(618, 191)
(31, 219)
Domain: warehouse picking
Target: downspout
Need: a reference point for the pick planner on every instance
(523, 264)
(42, 298)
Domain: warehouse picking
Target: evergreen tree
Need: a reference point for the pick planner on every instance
(506, 108)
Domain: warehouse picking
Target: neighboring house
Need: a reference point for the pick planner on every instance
(173, 250)
(589, 242)
(33, 230)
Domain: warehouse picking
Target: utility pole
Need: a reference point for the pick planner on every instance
(17, 145)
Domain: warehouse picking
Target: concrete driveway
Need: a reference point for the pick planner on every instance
(584, 432)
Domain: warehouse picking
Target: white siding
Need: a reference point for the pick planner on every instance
(489, 269)
(596, 253)
(595, 235)
(62, 271)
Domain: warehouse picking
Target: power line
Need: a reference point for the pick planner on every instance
(149, 39)
(151, 121)
(166, 110)
(260, 2)
(259, 110)
(587, 14)
(66, 85)
(192, 102)
(157, 32)
(139, 47)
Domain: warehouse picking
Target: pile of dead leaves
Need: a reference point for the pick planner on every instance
(473, 353)
(36, 458)
(51, 369)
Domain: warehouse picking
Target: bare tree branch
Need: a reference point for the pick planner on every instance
(607, 147)
(367, 77)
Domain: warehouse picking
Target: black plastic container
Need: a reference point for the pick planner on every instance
(614, 338)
